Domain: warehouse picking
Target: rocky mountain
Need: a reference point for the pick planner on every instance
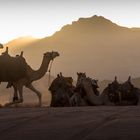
(93, 45)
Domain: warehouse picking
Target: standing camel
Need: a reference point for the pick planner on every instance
(31, 76)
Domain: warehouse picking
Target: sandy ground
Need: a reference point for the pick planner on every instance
(85, 123)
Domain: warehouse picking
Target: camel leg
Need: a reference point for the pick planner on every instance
(15, 98)
(31, 87)
(120, 98)
(20, 90)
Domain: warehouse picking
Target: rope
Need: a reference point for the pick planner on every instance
(49, 79)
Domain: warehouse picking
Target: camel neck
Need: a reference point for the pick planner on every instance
(42, 70)
(93, 99)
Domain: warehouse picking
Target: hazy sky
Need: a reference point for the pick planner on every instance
(40, 18)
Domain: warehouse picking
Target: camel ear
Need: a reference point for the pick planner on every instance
(61, 74)
(115, 78)
(129, 79)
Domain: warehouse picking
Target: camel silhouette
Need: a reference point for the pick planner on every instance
(18, 73)
(61, 90)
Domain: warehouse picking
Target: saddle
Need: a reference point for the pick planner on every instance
(12, 68)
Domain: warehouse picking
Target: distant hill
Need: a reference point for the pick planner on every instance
(93, 45)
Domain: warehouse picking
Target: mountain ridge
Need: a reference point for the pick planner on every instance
(102, 52)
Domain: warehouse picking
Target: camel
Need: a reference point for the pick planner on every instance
(31, 76)
(129, 95)
(111, 93)
(61, 90)
(89, 89)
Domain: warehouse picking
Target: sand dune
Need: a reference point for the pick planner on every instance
(86, 123)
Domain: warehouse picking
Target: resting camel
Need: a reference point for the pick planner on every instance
(128, 94)
(61, 91)
(30, 75)
(111, 94)
(86, 92)
(89, 89)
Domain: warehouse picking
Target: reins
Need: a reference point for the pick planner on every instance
(49, 78)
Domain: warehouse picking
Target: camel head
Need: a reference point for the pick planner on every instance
(91, 83)
(95, 86)
(51, 55)
(80, 75)
(84, 82)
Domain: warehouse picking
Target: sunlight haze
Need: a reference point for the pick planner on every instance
(41, 18)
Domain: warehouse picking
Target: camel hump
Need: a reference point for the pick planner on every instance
(12, 68)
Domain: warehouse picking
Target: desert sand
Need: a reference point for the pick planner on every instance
(78, 123)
